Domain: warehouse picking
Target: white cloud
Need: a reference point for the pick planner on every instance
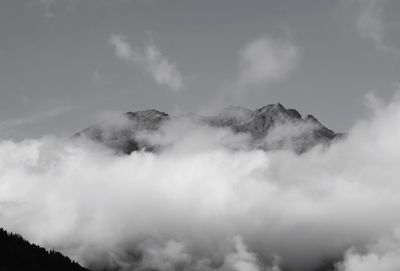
(174, 255)
(265, 60)
(241, 259)
(183, 207)
(122, 48)
(383, 255)
(151, 59)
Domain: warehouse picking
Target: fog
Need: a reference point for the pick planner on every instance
(208, 200)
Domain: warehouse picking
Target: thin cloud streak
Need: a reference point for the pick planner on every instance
(32, 119)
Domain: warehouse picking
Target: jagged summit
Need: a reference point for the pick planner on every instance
(258, 123)
(277, 111)
(271, 109)
(147, 119)
(145, 114)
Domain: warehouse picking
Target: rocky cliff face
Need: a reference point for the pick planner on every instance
(271, 127)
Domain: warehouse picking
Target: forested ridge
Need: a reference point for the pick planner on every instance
(17, 254)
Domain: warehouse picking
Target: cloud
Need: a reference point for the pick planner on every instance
(265, 60)
(372, 23)
(174, 255)
(151, 59)
(122, 48)
(261, 62)
(369, 22)
(242, 259)
(186, 131)
(200, 204)
(383, 255)
(292, 136)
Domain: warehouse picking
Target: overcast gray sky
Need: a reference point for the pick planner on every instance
(63, 62)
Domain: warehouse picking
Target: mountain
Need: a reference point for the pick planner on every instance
(17, 254)
(271, 127)
(121, 136)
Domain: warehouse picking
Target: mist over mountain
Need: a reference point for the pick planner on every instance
(286, 128)
(237, 191)
(200, 135)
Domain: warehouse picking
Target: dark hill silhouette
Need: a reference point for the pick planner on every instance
(17, 254)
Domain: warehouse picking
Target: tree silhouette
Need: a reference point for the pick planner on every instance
(17, 254)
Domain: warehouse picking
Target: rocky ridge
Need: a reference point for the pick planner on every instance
(300, 133)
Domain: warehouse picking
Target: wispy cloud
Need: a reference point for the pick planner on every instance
(372, 23)
(264, 60)
(35, 118)
(369, 21)
(261, 62)
(151, 59)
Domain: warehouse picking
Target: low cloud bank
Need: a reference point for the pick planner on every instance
(200, 204)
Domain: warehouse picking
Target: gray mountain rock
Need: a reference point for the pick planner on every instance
(271, 127)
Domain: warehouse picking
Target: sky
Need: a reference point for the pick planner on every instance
(64, 62)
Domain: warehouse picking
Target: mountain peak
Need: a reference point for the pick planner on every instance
(278, 112)
(149, 119)
(257, 123)
(271, 108)
(310, 117)
(146, 114)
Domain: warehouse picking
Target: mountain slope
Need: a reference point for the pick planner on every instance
(271, 127)
(17, 254)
